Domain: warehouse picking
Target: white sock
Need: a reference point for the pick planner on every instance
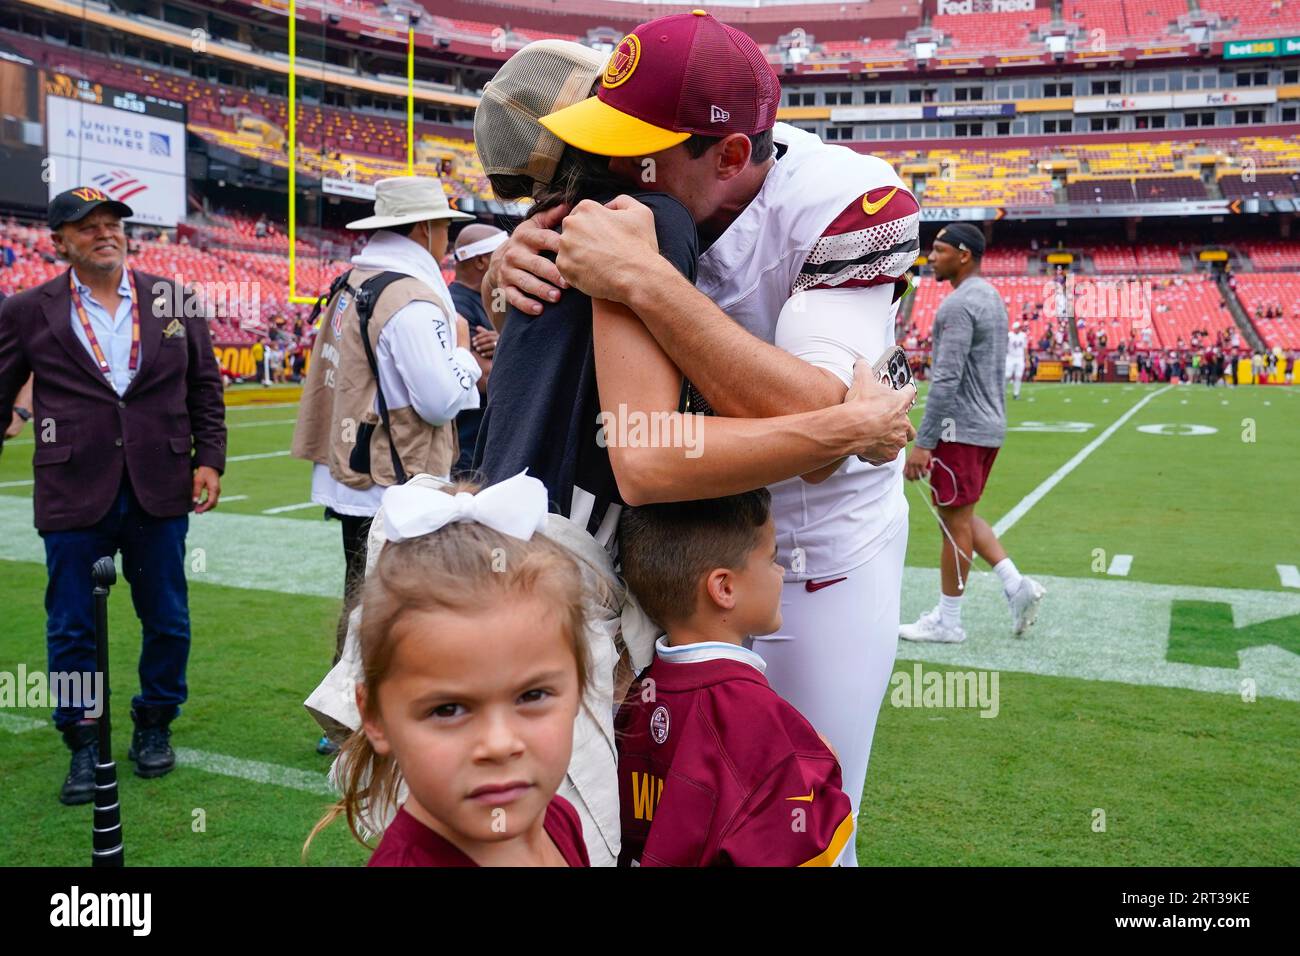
(1015, 387)
(1007, 573)
(949, 611)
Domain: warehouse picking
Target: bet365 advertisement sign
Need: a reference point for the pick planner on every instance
(1245, 49)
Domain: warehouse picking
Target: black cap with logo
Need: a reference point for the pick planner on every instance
(74, 205)
(963, 235)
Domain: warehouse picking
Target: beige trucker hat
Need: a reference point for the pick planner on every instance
(543, 77)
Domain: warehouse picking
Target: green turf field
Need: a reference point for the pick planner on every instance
(1149, 717)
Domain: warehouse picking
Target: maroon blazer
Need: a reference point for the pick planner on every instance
(170, 420)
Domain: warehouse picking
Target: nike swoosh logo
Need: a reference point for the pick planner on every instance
(807, 799)
(811, 586)
(871, 208)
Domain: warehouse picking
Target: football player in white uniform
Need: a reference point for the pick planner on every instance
(1016, 346)
(807, 246)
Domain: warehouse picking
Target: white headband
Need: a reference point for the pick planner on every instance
(482, 247)
(516, 507)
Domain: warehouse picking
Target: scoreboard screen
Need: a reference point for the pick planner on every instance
(130, 145)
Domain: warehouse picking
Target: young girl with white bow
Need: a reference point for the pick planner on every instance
(474, 671)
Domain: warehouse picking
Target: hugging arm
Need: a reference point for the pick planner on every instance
(724, 456)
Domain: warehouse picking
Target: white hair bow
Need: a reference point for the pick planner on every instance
(516, 506)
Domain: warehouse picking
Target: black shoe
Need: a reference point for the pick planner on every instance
(79, 786)
(150, 747)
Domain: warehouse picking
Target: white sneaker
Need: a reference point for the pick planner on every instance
(929, 627)
(1024, 604)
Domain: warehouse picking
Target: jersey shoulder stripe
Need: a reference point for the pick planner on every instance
(839, 838)
(873, 241)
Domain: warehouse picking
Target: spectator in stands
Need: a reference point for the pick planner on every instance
(474, 247)
(133, 437)
(259, 228)
(368, 423)
(1076, 365)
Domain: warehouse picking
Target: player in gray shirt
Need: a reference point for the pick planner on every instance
(964, 425)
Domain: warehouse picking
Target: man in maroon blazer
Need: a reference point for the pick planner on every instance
(130, 433)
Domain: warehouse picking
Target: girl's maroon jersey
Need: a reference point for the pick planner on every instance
(715, 769)
(408, 842)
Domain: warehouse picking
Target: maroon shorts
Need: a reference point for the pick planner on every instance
(958, 473)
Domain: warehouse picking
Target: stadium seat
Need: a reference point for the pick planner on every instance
(1261, 292)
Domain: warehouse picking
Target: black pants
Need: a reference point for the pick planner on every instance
(356, 530)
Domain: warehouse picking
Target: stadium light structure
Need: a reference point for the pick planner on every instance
(292, 133)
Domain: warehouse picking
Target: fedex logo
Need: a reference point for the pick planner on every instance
(985, 6)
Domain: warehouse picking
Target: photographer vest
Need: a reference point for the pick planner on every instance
(338, 405)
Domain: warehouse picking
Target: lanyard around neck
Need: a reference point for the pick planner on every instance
(100, 359)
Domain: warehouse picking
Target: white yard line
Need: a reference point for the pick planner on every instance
(18, 484)
(1008, 521)
(255, 771)
(272, 421)
(269, 421)
(1289, 574)
(265, 454)
(1119, 565)
(226, 498)
(240, 550)
(253, 407)
(283, 508)
(16, 724)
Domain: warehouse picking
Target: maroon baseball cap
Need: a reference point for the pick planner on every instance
(667, 79)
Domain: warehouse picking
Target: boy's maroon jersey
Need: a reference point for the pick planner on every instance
(715, 769)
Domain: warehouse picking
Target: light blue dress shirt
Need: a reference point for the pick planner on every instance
(112, 332)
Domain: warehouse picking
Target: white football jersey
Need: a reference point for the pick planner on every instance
(826, 218)
(1016, 346)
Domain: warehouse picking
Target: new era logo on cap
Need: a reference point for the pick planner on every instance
(668, 79)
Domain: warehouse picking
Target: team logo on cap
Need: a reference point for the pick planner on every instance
(659, 725)
(88, 194)
(622, 62)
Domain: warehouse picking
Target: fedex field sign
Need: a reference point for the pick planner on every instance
(985, 6)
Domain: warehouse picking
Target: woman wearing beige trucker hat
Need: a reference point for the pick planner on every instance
(562, 375)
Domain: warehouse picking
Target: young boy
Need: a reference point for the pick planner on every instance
(714, 768)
